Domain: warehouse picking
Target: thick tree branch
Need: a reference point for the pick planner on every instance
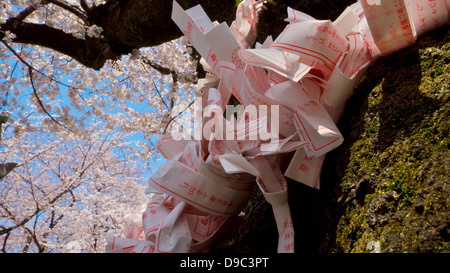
(90, 52)
(134, 24)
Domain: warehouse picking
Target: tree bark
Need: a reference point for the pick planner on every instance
(133, 24)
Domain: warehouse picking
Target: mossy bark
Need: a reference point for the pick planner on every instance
(387, 185)
(394, 166)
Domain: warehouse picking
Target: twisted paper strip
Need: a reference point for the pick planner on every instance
(313, 67)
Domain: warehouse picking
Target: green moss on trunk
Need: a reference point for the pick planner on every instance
(397, 141)
(387, 185)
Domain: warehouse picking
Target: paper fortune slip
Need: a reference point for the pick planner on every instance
(293, 91)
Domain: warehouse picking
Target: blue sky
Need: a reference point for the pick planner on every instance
(63, 99)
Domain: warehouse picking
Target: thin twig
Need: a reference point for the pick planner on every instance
(161, 69)
(4, 242)
(157, 91)
(30, 66)
(72, 9)
(174, 117)
(30, 70)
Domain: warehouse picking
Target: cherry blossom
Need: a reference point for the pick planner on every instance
(83, 138)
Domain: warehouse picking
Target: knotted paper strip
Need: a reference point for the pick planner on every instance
(293, 92)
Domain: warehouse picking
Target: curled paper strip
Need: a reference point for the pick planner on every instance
(293, 91)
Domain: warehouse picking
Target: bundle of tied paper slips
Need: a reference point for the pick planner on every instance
(303, 78)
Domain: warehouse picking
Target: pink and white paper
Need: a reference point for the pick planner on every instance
(306, 75)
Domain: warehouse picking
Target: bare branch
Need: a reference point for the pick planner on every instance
(33, 236)
(4, 242)
(174, 117)
(30, 66)
(161, 69)
(157, 91)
